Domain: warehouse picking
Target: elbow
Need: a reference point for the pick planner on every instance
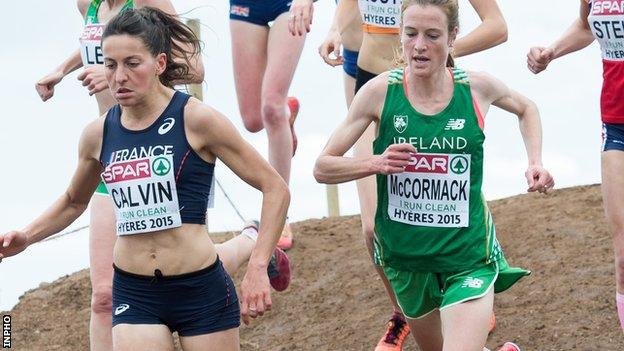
(502, 33)
(198, 75)
(319, 174)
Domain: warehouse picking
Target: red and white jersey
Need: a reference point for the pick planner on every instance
(606, 20)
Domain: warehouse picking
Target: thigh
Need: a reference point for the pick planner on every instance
(249, 57)
(613, 196)
(366, 187)
(142, 337)
(465, 325)
(102, 237)
(226, 340)
(613, 188)
(427, 331)
(284, 50)
(349, 88)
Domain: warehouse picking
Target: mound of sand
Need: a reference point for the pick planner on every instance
(336, 302)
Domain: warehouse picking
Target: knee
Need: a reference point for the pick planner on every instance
(102, 300)
(251, 121)
(368, 231)
(274, 111)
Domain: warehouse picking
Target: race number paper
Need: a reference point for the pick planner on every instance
(144, 193)
(433, 191)
(90, 45)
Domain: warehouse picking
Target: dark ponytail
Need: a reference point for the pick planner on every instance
(161, 33)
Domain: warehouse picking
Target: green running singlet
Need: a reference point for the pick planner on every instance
(433, 217)
(91, 17)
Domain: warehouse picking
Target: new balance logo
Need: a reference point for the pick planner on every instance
(455, 124)
(121, 309)
(471, 282)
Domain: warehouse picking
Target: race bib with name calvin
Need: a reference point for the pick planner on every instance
(90, 45)
(144, 194)
(433, 191)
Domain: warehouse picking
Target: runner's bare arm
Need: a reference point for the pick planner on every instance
(333, 167)
(577, 37)
(491, 32)
(333, 40)
(68, 206)
(212, 134)
(489, 90)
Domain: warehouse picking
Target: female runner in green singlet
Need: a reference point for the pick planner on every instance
(428, 160)
(377, 55)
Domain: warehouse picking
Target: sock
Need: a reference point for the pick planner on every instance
(251, 233)
(619, 298)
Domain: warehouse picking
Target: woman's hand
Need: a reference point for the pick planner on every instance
(538, 59)
(45, 86)
(332, 43)
(300, 17)
(94, 79)
(12, 243)
(394, 159)
(539, 179)
(255, 293)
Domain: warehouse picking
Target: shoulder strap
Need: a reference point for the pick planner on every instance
(460, 76)
(91, 17)
(395, 76)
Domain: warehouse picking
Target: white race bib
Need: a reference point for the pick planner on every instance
(433, 191)
(144, 194)
(381, 13)
(90, 45)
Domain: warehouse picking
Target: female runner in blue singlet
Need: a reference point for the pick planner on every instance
(102, 221)
(159, 188)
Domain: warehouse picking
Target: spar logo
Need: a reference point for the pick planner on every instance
(459, 164)
(428, 163)
(131, 170)
(92, 32)
(400, 123)
(608, 7)
(161, 166)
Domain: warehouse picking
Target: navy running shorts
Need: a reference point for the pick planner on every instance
(612, 137)
(350, 62)
(260, 12)
(195, 303)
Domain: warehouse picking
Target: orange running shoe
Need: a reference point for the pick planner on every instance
(398, 329)
(293, 106)
(509, 346)
(285, 241)
(492, 324)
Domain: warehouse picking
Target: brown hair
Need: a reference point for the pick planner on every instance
(161, 33)
(450, 9)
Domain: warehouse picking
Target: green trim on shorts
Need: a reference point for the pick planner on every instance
(420, 293)
(101, 189)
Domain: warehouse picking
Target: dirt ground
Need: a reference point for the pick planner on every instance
(336, 301)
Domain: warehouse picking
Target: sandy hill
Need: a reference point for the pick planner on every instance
(336, 302)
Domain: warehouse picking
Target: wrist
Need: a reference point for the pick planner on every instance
(257, 264)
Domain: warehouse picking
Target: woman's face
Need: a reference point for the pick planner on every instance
(131, 70)
(425, 39)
